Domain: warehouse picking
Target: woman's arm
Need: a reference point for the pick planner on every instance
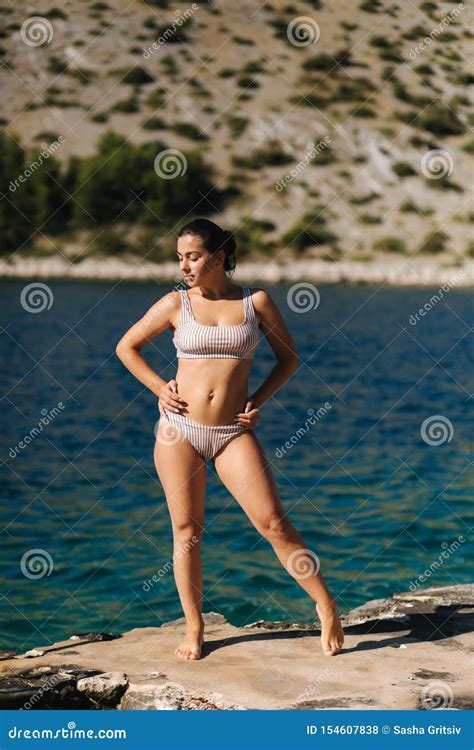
(156, 320)
(282, 344)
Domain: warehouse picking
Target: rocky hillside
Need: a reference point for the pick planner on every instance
(335, 130)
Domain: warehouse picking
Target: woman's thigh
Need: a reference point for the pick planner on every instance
(243, 467)
(182, 473)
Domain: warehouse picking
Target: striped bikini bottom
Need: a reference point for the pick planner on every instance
(206, 439)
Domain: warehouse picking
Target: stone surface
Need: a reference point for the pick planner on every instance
(45, 687)
(104, 689)
(410, 651)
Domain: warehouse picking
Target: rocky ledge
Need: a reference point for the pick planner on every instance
(410, 651)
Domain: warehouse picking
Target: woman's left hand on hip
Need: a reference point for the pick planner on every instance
(249, 417)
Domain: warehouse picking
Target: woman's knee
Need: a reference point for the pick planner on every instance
(187, 533)
(276, 527)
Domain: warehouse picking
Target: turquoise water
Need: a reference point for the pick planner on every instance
(374, 500)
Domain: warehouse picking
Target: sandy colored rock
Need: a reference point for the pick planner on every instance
(410, 651)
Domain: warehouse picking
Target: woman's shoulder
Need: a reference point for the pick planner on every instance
(260, 298)
(165, 305)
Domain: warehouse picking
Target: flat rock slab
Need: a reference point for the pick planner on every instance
(411, 651)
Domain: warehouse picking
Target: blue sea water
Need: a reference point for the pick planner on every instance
(379, 486)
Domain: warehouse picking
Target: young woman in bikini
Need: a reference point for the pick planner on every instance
(206, 414)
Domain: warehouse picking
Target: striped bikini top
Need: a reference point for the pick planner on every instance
(194, 340)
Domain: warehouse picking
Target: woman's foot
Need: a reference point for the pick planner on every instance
(191, 645)
(332, 634)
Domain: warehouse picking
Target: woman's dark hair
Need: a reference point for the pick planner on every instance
(214, 238)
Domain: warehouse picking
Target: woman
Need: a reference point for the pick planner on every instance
(206, 414)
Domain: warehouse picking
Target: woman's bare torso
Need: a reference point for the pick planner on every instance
(214, 389)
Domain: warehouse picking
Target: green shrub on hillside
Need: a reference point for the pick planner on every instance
(119, 182)
(271, 155)
(390, 245)
(34, 197)
(137, 75)
(435, 242)
(308, 231)
(111, 181)
(441, 120)
(328, 62)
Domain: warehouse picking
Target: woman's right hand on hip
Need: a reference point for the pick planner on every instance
(168, 398)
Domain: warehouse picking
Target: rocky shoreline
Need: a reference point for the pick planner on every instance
(409, 651)
(393, 271)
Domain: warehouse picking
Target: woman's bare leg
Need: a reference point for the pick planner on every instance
(182, 473)
(245, 470)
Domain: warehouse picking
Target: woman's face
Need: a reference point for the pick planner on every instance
(197, 265)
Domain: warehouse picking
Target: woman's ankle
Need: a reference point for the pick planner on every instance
(194, 625)
(327, 604)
